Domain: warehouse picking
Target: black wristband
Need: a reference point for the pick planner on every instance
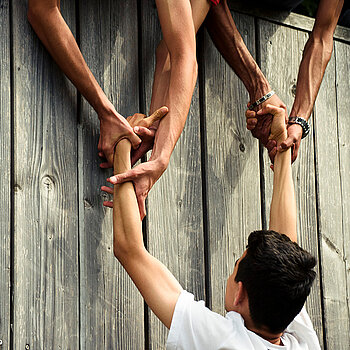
(302, 122)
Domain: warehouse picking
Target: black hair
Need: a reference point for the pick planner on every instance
(277, 275)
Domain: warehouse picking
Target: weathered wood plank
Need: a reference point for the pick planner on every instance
(342, 56)
(233, 183)
(175, 233)
(5, 185)
(330, 213)
(293, 20)
(281, 69)
(111, 307)
(45, 202)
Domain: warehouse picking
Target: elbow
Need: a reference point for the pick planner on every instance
(126, 251)
(323, 42)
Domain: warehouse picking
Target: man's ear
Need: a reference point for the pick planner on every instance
(241, 294)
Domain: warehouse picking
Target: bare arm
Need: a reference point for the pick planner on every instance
(283, 206)
(227, 39)
(317, 53)
(157, 285)
(47, 21)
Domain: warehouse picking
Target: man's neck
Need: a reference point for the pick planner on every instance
(270, 337)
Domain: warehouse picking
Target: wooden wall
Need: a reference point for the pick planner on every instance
(60, 285)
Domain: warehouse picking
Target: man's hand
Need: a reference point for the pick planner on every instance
(113, 128)
(295, 132)
(146, 174)
(261, 125)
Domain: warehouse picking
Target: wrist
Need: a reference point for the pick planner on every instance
(122, 162)
(104, 108)
(258, 89)
(282, 137)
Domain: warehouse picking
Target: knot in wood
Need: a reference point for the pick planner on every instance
(48, 182)
(241, 147)
(27, 347)
(294, 88)
(0, 342)
(16, 188)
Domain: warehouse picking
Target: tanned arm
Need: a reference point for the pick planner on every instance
(48, 23)
(317, 53)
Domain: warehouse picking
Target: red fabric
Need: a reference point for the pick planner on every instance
(215, 2)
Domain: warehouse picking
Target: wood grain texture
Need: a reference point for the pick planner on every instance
(281, 69)
(175, 233)
(330, 213)
(342, 55)
(233, 184)
(45, 199)
(5, 178)
(111, 307)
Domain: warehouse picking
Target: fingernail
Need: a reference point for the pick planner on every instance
(136, 128)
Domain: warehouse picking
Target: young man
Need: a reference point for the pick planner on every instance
(265, 293)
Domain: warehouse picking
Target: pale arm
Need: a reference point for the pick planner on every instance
(157, 285)
(283, 206)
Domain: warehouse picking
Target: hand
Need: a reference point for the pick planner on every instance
(113, 128)
(295, 133)
(146, 174)
(261, 126)
(143, 176)
(277, 126)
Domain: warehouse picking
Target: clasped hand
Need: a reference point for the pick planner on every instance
(145, 174)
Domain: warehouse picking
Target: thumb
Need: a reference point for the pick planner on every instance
(123, 177)
(135, 140)
(286, 144)
(142, 131)
(155, 116)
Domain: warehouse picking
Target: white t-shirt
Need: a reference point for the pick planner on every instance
(195, 327)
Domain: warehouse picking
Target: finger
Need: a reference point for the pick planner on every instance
(135, 140)
(270, 109)
(272, 154)
(271, 144)
(140, 152)
(286, 144)
(157, 115)
(123, 177)
(272, 167)
(108, 204)
(142, 207)
(107, 189)
(101, 155)
(295, 152)
(251, 123)
(250, 114)
(143, 132)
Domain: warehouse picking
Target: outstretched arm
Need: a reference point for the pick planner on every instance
(157, 285)
(317, 53)
(227, 39)
(47, 21)
(283, 206)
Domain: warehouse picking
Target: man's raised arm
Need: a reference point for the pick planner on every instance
(157, 285)
(283, 207)
(48, 23)
(317, 53)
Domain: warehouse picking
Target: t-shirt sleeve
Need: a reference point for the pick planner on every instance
(302, 329)
(194, 326)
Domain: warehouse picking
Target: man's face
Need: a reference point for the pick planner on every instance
(232, 286)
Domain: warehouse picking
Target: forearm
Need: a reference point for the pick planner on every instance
(56, 36)
(283, 206)
(183, 75)
(127, 226)
(317, 53)
(227, 39)
(158, 286)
